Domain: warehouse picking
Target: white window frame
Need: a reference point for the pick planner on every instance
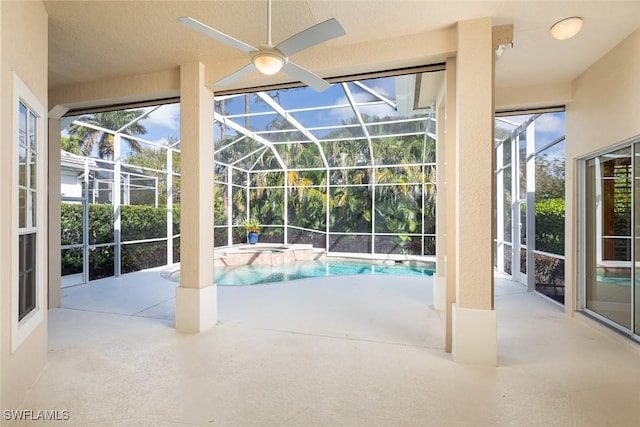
(21, 329)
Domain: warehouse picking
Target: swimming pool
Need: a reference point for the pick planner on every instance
(263, 274)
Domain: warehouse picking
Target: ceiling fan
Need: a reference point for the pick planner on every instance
(269, 59)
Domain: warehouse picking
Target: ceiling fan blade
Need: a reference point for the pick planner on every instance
(247, 69)
(312, 36)
(215, 34)
(306, 77)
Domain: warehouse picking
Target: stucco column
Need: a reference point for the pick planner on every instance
(474, 338)
(196, 298)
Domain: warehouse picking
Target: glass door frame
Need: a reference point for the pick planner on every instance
(582, 253)
(524, 195)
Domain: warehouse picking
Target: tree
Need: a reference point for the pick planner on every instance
(154, 160)
(93, 139)
(71, 145)
(400, 171)
(549, 177)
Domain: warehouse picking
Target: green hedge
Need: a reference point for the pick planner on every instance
(550, 226)
(138, 222)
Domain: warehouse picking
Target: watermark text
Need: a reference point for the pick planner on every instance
(36, 415)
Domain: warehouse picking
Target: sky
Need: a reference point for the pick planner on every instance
(164, 122)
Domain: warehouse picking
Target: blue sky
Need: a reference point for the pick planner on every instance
(165, 121)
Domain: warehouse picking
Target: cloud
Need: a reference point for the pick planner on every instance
(551, 123)
(379, 110)
(167, 116)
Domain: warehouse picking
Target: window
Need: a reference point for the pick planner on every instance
(29, 204)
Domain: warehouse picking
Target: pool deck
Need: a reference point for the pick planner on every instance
(337, 351)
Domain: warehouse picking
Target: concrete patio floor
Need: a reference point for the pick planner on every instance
(345, 351)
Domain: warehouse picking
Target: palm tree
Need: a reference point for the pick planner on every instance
(93, 139)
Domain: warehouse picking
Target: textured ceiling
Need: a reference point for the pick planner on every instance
(95, 40)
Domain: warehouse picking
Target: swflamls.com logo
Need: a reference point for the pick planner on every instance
(36, 415)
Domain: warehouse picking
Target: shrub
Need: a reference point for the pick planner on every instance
(550, 226)
(139, 222)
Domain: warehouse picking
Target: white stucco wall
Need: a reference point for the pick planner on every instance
(605, 111)
(24, 46)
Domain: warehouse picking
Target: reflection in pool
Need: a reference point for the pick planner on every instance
(259, 274)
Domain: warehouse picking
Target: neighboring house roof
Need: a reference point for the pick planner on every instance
(75, 162)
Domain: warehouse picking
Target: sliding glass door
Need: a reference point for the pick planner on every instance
(608, 240)
(636, 239)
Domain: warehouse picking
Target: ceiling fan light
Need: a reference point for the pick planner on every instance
(566, 28)
(268, 63)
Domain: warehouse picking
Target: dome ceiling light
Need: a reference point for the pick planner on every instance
(268, 63)
(566, 28)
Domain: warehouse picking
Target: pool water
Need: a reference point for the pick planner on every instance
(259, 274)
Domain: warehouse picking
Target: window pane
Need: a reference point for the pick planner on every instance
(22, 208)
(33, 171)
(26, 274)
(31, 214)
(32, 130)
(22, 166)
(22, 124)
